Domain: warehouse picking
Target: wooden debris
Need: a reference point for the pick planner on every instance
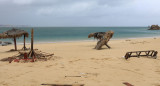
(128, 84)
(39, 56)
(73, 76)
(64, 84)
(147, 53)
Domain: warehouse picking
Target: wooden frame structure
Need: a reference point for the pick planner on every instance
(151, 53)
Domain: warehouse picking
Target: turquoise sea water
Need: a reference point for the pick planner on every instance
(66, 34)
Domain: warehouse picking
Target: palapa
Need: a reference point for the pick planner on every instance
(14, 33)
(32, 56)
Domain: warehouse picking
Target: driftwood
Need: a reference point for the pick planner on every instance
(147, 53)
(127, 84)
(104, 40)
(73, 76)
(64, 84)
(24, 56)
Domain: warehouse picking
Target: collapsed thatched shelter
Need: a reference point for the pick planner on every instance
(14, 33)
(104, 41)
(97, 35)
(102, 37)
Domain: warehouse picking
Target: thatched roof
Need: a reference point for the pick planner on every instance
(13, 33)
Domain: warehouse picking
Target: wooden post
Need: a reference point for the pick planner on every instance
(24, 43)
(15, 43)
(31, 53)
(32, 40)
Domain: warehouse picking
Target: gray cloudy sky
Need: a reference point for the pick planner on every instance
(80, 12)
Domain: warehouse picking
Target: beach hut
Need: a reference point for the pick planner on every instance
(14, 33)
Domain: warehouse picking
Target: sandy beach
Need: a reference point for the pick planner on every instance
(105, 67)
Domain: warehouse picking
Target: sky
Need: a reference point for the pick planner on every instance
(80, 12)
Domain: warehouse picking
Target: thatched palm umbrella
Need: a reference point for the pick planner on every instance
(14, 33)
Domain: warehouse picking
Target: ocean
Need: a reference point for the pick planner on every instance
(69, 34)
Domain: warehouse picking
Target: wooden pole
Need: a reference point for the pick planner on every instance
(32, 40)
(24, 43)
(15, 44)
(31, 53)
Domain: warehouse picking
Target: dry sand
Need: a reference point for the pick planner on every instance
(106, 67)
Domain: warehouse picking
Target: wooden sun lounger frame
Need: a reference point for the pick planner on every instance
(151, 53)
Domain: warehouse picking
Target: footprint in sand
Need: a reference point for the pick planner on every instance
(56, 81)
(156, 84)
(158, 71)
(30, 66)
(4, 83)
(74, 61)
(49, 66)
(92, 58)
(100, 59)
(105, 58)
(137, 69)
(28, 71)
(18, 76)
(142, 42)
(33, 81)
(62, 67)
(132, 71)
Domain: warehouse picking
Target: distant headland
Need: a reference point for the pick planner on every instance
(14, 25)
(154, 27)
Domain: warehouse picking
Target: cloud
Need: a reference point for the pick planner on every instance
(22, 2)
(84, 12)
(66, 10)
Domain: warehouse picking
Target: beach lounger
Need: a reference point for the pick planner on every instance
(148, 53)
